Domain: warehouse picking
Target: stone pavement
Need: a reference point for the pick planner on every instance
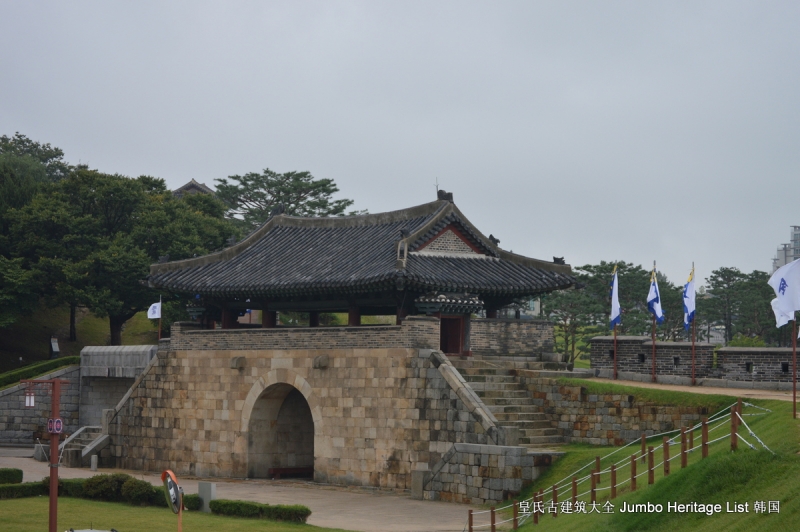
(332, 506)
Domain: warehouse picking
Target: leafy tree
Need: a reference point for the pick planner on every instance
(93, 236)
(755, 317)
(252, 197)
(723, 289)
(52, 158)
(17, 291)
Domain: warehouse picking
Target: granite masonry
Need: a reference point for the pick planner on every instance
(736, 367)
(510, 337)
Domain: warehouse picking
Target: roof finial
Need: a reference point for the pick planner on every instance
(444, 196)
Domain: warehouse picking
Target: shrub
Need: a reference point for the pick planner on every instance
(296, 512)
(105, 487)
(140, 492)
(281, 512)
(10, 475)
(235, 508)
(37, 368)
(192, 502)
(16, 491)
(67, 487)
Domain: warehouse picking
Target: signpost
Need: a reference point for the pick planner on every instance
(55, 426)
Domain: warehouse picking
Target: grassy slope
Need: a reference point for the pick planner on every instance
(29, 338)
(31, 515)
(666, 397)
(744, 476)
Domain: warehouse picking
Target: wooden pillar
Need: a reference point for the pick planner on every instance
(401, 314)
(633, 472)
(555, 500)
(597, 467)
(644, 447)
(353, 316)
(313, 318)
(684, 455)
(574, 490)
(650, 472)
(491, 313)
(666, 456)
(613, 481)
(269, 319)
(734, 429)
(493, 520)
(515, 522)
(229, 318)
(593, 493)
(705, 437)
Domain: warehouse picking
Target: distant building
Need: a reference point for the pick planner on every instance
(192, 187)
(788, 252)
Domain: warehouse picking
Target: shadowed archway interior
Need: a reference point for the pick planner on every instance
(281, 433)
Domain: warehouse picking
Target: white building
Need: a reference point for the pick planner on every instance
(788, 252)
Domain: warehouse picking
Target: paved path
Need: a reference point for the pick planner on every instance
(332, 506)
(707, 390)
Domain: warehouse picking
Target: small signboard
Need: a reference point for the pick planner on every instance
(55, 425)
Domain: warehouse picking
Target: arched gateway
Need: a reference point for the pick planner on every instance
(280, 427)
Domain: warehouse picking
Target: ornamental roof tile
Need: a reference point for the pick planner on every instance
(290, 256)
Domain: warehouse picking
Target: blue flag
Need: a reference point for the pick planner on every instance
(654, 298)
(616, 315)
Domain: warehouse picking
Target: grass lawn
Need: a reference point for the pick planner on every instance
(31, 515)
(724, 477)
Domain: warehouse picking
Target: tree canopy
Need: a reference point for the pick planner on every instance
(252, 197)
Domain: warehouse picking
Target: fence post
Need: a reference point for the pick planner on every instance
(555, 500)
(594, 486)
(705, 437)
(613, 481)
(633, 472)
(492, 519)
(597, 467)
(644, 447)
(469, 521)
(516, 515)
(574, 490)
(650, 473)
(683, 447)
(691, 439)
(734, 429)
(537, 497)
(666, 456)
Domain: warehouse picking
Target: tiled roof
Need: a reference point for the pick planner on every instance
(291, 256)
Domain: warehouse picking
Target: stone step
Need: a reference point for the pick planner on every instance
(493, 385)
(510, 394)
(520, 417)
(529, 425)
(540, 440)
(497, 401)
(484, 371)
(549, 431)
(526, 409)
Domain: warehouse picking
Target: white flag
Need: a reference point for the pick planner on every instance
(786, 283)
(616, 316)
(689, 301)
(154, 312)
(654, 299)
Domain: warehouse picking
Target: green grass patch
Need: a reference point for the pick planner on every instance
(30, 515)
(666, 397)
(37, 369)
(745, 476)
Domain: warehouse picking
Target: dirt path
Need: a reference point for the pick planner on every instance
(707, 390)
(332, 506)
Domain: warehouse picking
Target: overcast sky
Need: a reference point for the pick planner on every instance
(633, 131)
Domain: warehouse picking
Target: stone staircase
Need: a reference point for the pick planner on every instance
(508, 400)
(74, 448)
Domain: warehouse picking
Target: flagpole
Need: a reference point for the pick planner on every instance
(615, 351)
(794, 366)
(159, 317)
(694, 331)
(654, 348)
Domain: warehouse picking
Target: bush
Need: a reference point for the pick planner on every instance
(296, 512)
(37, 368)
(235, 508)
(10, 476)
(71, 487)
(16, 491)
(281, 512)
(105, 487)
(139, 492)
(192, 502)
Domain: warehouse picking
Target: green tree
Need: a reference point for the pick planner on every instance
(724, 299)
(17, 291)
(93, 237)
(51, 157)
(252, 197)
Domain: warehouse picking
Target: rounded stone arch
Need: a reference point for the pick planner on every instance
(282, 422)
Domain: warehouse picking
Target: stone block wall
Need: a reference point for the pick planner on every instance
(378, 413)
(21, 425)
(607, 419)
(98, 394)
(756, 364)
(635, 355)
(478, 474)
(415, 332)
(501, 337)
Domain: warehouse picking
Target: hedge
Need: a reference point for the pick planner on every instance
(16, 491)
(10, 475)
(106, 487)
(296, 513)
(192, 502)
(37, 368)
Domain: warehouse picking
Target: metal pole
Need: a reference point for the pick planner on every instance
(794, 367)
(54, 403)
(694, 382)
(654, 348)
(615, 351)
